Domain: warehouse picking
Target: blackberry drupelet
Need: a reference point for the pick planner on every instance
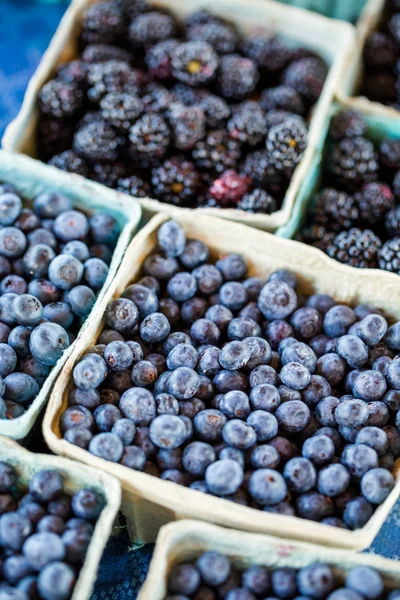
(307, 76)
(353, 161)
(215, 109)
(149, 28)
(221, 36)
(334, 208)
(71, 162)
(282, 97)
(150, 136)
(269, 53)
(194, 63)
(102, 23)
(217, 152)
(347, 123)
(158, 59)
(374, 201)
(392, 222)
(356, 247)
(230, 188)
(60, 99)
(258, 201)
(247, 124)
(238, 76)
(97, 53)
(135, 186)
(74, 72)
(112, 76)
(380, 52)
(97, 142)
(188, 125)
(286, 143)
(316, 235)
(176, 181)
(120, 109)
(109, 173)
(389, 256)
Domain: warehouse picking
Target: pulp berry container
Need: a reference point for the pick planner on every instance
(335, 9)
(148, 502)
(31, 178)
(187, 540)
(380, 126)
(75, 477)
(333, 41)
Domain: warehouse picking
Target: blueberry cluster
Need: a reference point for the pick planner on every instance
(355, 217)
(381, 56)
(214, 576)
(192, 113)
(242, 389)
(53, 261)
(44, 535)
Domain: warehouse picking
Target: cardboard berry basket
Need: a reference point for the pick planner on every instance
(148, 502)
(31, 178)
(75, 477)
(335, 9)
(187, 540)
(333, 40)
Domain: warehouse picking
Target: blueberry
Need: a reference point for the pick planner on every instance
(234, 355)
(8, 360)
(204, 331)
(19, 340)
(267, 486)
(366, 581)
(41, 235)
(37, 259)
(65, 271)
(220, 315)
(138, 405)
(42, 548)
(392, 337)
(372, 329)
(133, 458)
(10, 208)
(302, 354)
(71, 225)
(300, 474)
(194, 254)
(295, 376)
(317, 389)
(376, 485)
(293, 416)
(81, 299)
(6, 303)
(184, 579)
(183, 383)
(167, 404)
(256, 579)
(154, 328)
(79, 436)
(56, 581)
(182, 286)
(263, 374)
(224, 477)
(214, 568)
(375, 438)
(51, 204)
(209, 279)
(21, 388)
(167, 431)
(357, 513)
(105, 416)
(325, 411)
(265, 457)
(60, 313)
(175, 476)
(353, 350)
(251, 311)
(283, 582)
(359, 458)
(333, 480)
(145, 299)
(264, 423)
(306, 322)
(238, 434)
(208, 424)
(76, 544)
(95, 272)
(107, 446)
(235, 404)
(338, 319)
(88, 398)
(344, 594)
(233, 295)
(169, 459)
(319, 449)
(15, 568)
(90, 372)
(265, 397)
(314, 506)
(182, 355)
(8, 477)
(46, 486)
(369, 386)
(14, 530)
(122, 315)
(351, 413)
(316, 580)
(277, 300)
(233, 454)
(12, 242)
(209, 362)
(78, 249)
(242, 328)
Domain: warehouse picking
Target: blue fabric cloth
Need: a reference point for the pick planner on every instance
(26, 27)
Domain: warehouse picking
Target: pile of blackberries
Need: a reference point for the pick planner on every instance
(355, 217)
(241, 388)
(53, 261)
(44, 533)
(214, 576)
(192, 114)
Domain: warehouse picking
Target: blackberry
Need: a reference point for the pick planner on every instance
(389, 256)
(353, 161)
(53, 136)
(215, 109)
(149, 28)
(188, 125)
(269, 53)
(277, 117)
(347, 123)
(335, 207)
(307, 76)
(92, 116)
(97, 142)
(238, 76)
(73, 72)
(120, 109)
(247, 125)
(380, 52)
(156, 98)
(194, 63)
(258, 201)
(217, 152)
(230, 188)
(282, 97)
(60, 99)
(71, 162)
(356, 247)
(102, 23)
(374, 201)
(389, 153)
(187, 95)
(317, 236)
(97, 53)
(134, 186)
(158, 59)
(286, 143)
(221, 36)
(133, 8)
(258, 166)
(392, 222)
(176, 181)
(109, 173)
(150, 136)
(380, 86)
(112, 76)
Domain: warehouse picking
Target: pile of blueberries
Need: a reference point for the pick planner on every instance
(213, 575)
(242, 388)
(53, 261)
(44, 535)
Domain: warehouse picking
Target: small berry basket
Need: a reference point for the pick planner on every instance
(185, 541)
(30, 178)
(332, 40)
(74, 477)
(335, 9)
(149, 502)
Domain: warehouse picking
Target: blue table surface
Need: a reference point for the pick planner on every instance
(26, 27)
